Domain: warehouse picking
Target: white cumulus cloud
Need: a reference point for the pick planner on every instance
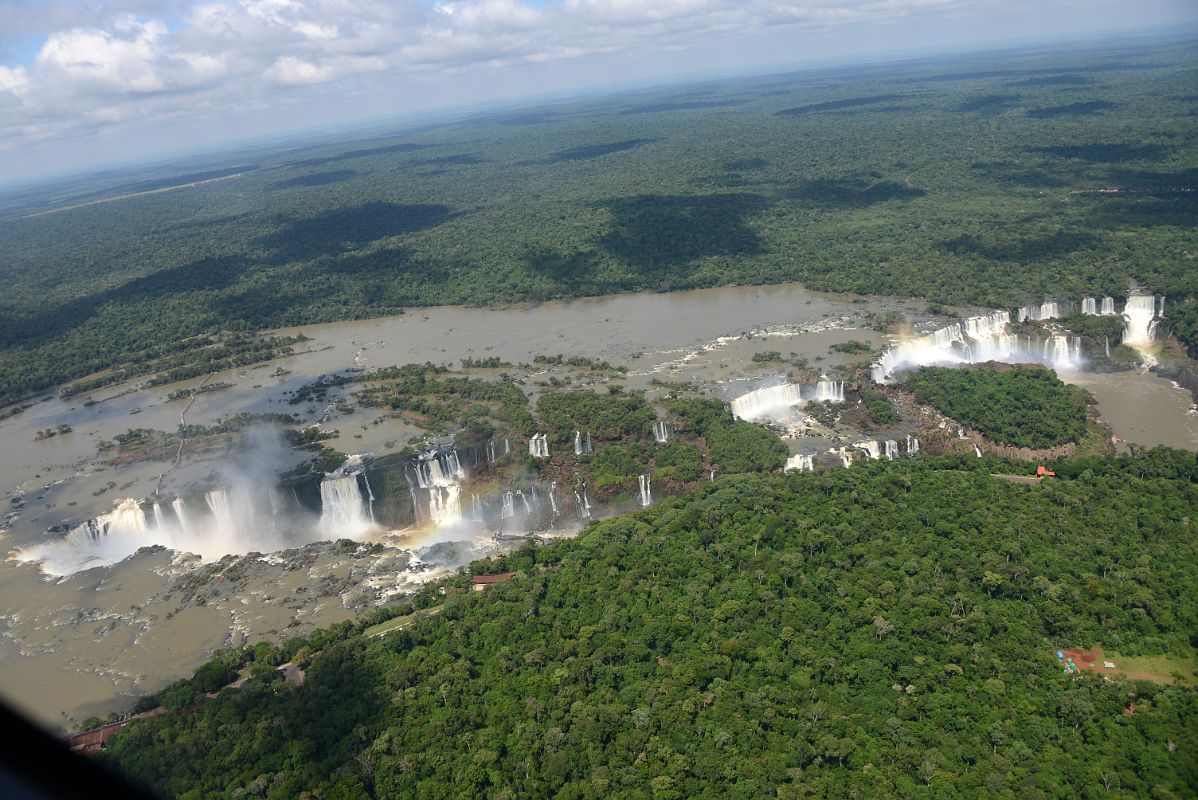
(105, 64)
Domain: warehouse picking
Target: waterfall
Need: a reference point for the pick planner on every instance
(1108, 307)
(1046, 310)
(445, 504)
(342, 510)
(845, 458)
(646, 491)
(509, 507)
(276, 503)
(222, 510)
(586, 503)
(180, 509)
(440, 472)
(767, 401)
(577, 443)
(1107, 341)
(713, 476)
(828, 390)
(875, 452)
(159, 519)
(661, 431)
(476, 508)
(412, 491)
(491, 451)
(892, 449)
(977, 451)
(524, 499)
(586, 448)
(126, 517)
(100, 541)
(1062, 352)
(1139, 316)
(972, 340)
(369, 496)
(1161, 313)
(800, 462)
(538, 446)
(507, 447)
(1090, 306)
(960, 432)
(553, 496)
(912, 445)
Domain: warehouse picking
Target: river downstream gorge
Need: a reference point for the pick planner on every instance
(241, 525)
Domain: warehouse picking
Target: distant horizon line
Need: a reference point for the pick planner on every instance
(364, 129)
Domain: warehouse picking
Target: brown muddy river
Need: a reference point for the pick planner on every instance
(92, 642)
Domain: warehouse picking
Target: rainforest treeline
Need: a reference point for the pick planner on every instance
(884, 631)
(971, 182)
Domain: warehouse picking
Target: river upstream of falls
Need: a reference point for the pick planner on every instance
(95, 639)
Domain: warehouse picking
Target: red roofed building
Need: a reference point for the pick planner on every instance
(483, 581)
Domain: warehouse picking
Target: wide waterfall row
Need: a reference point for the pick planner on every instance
(1140, 315)
(767, 401)
(970, 341)
(774, 401)
(977, 340)
(538, 446)
(235, 520)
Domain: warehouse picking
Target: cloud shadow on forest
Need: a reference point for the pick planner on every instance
(1083, 109)
(314, 179)
(849, 192)
(344, 229)
(836, 105)
(1103, 153)
(660, 232)
(1021, 249)
(588, 151)
(402, 147)
(989, 102)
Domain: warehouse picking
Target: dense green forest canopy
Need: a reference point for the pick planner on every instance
(1023, 406)
(883, 631)
(612, 415)
(734, 445)
(967, 182)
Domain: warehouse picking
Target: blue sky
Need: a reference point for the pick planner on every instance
(84, 85)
